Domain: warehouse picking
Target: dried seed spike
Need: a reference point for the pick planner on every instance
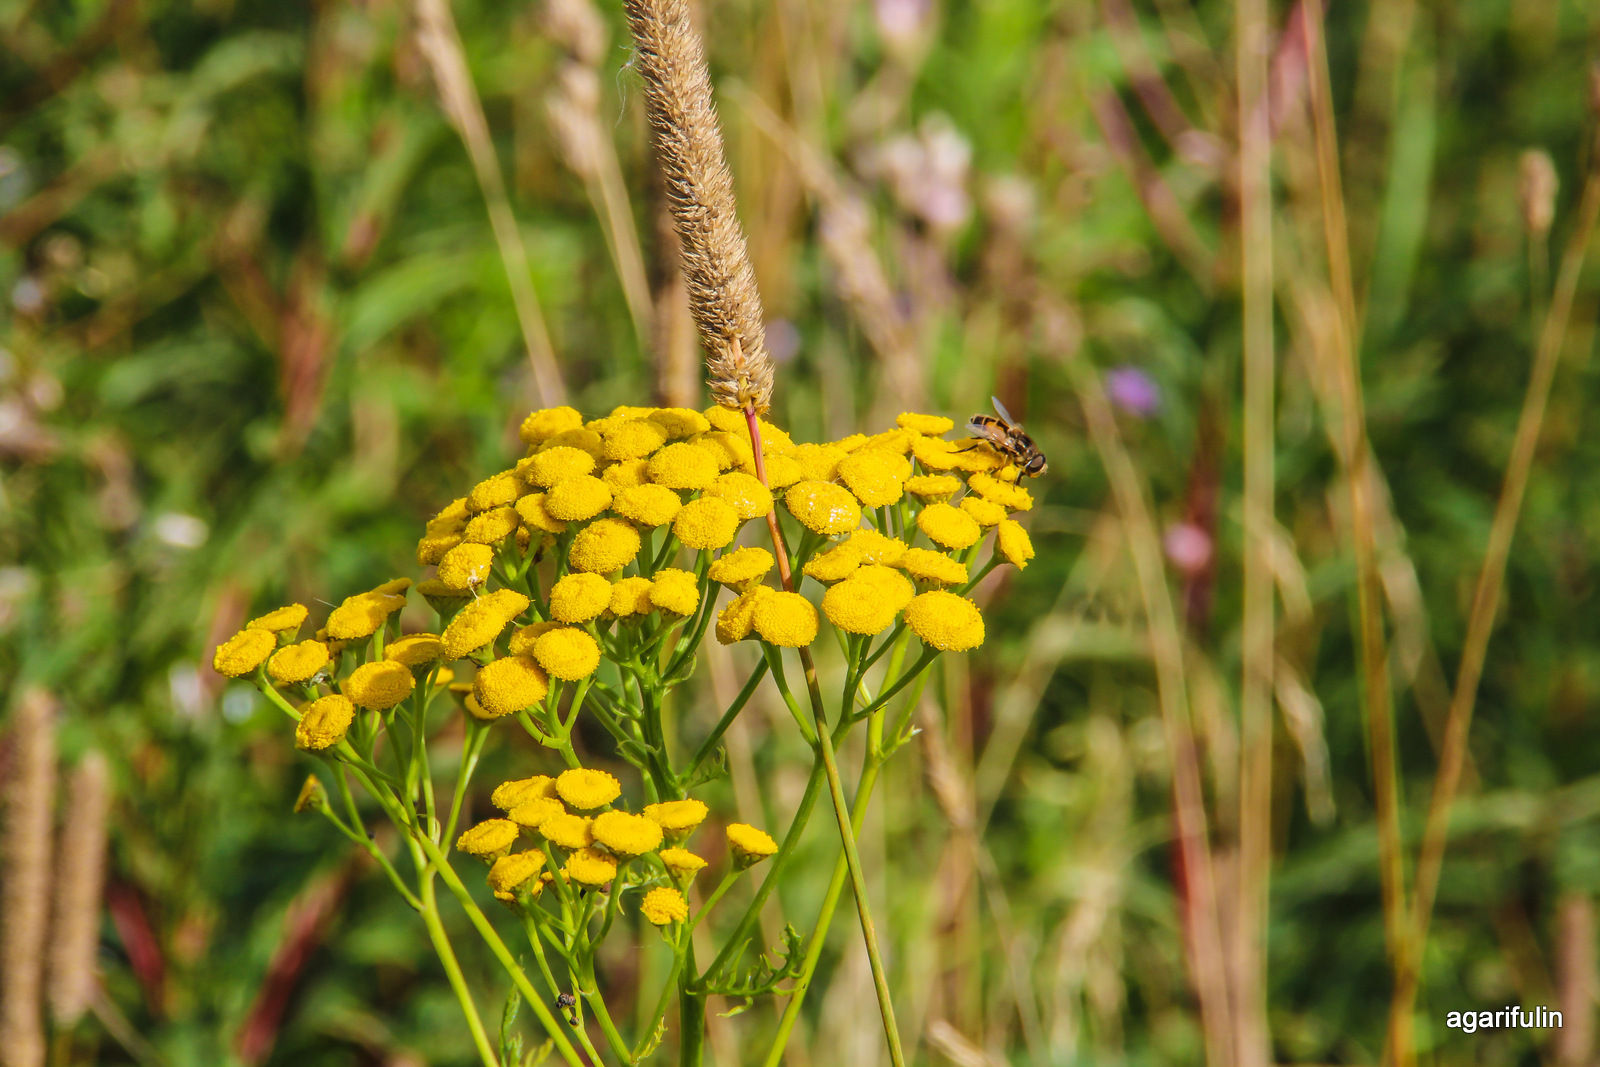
(29, 811)
(80, 879)
(722, 286)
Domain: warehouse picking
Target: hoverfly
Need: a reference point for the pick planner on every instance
(1006, 436)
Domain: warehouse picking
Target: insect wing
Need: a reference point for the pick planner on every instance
(1001, 408)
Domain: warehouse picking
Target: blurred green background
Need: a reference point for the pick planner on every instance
(257, 327)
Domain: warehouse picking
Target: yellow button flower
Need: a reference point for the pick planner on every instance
(663, 906)
(706, 523)
(466, 565)
(932, 425)
(626, 475)
(834, 565)
(782, 471)
(521, 641)
(937, 454)
(543, 425)
(677, 817)
(819, 463)
(728, 420)
(877, 478)
(586, 788)
(741, 567)
(415, 650)
(1014, 543)
(647, 505)
(495, 492)
(604, 546)
(788, 620)
(857, 606)
(431, 548)
(736, 619)
(984, 512)
(683, 465)
(749, 845)
(742, 492)
(948, 526)
(933, 487)
(975, 456)
(675, 591)
(508, 795)
(532, 511)
(323, 723)
(243, 652)
(491, 527)
(934, 567)
(361, 615)
(625, 834)
(510, 684)
(294, 664)
(488, 838)
(283, 620)
(481, 621)
(1007, 495)
(567, 653)
(897, 440)
(630, 596)
(877, 548)
(823, 507)
(729, 450)
(583, 439)
(632, 439)
(945, 621)
(535, 812)
(851, 443)
(891, 585)
(451, 518)
(681, 861)
(681, 422)
(579, 598)
(553, 466)
(379, 685)
(590, 866)
(567, 831)
(578, 498)
(511, 872)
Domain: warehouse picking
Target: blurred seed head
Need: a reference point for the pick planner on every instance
(1537, 190)
(576, 26)
(79, 884)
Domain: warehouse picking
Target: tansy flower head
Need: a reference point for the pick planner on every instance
(877, 548)
(578, 498)
(706, 523)
(508, 795)
(851, 443)
(379, 685)
(495, 492)
(491, 527)
(890, 584)
(586, 788)
(489, 838)
(741, 566)
(568, 653)
(626, 474)
(294, 664)
(984, 512)
(663, 906)
(283, 620)
(626, 835)
(361, 615)
(584, 440)
(877, 478)
(1014, 543)
(536, 811)
(837, 563)
(742, 492)
(568, 831)
(677, 817)
(415, 650)
(451, 518)
(728, 420)
(819, 463)
(1009, 496)
(934, 567)
(509, 684)
(334, 647)
(633, 439)
(896, 440)
(543, 425)
(975, 457)
(933, 487)
(647, 505)
(681, 422)
(945, 621)
(674, 591)
(737, 618)
(244, 652)
(522, 638)
(857, 606)
(630, 596)
(937, 454)
(948, 526)
(553, 466)
(683, 465)
(823, 507)
(532, 511)
(603, 546)
(590, 866)
(933, 425)
(728, 449)
(432, 547)
(510, 872)
(466, 565)
(579, 598)
(749, 845)
(681, 861)
(323, 723)
(481, 621)
(785, 619)
(782, 471)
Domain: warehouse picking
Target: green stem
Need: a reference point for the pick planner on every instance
(691, 1013)
(452, 971)
(710, 743)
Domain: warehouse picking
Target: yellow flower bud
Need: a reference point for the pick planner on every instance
(481, 621)
(945, 621)
(243, 652)
(749, 845)
(785, 619)
(948, 526)
(742, 492)
(491, 527)
(1014, 543)
(604, 546)
(587, 789)
(683, 465)
(466, 565)
(543, 425)
(590, 866)
(934, 567)
(567, 653)
(532, 511)
(706, 523)
(647, 505)
(675, 591)
(284, 620)
(579, 598)
(323, 723)
(509, 684)
(294, 664)
(933, 425)
(741, 567)
(379, 685)
(552, 466)
(508, 795)
(489, 838)
(630, 596)
(663, 906)
(625, 834)
(823, 507)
